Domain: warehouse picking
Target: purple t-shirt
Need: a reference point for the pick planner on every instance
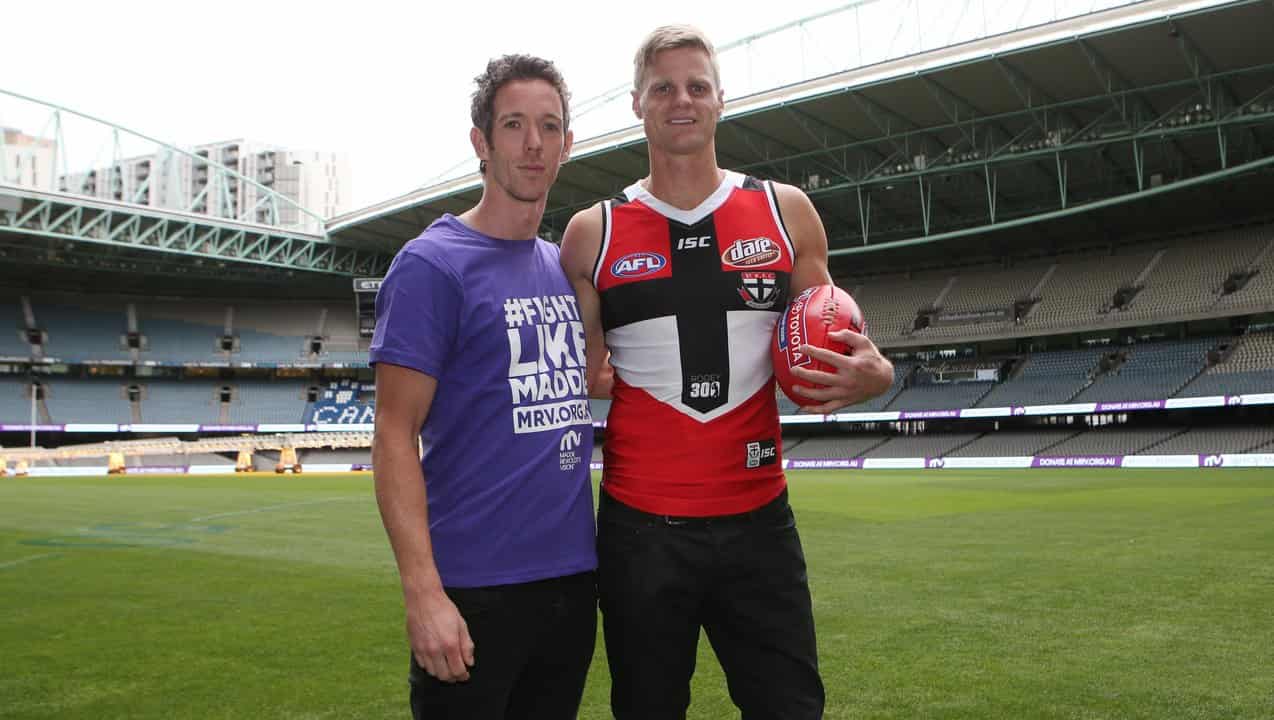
(509, 436)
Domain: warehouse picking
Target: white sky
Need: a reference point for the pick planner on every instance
(386, 82)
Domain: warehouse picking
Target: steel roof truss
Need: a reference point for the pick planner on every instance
(203, 239)
(958, 110)
(1029, 91)
(41, 209)
(306, 251)
(881, 117)
(789, 150)
(76, 211)
(103, 218)
(162, 225)
(1201, 68)
(128, 226)
(236, 241)
(249, 250)
(1119, 90)
(274, 247)
(324, 258)
(263, 200)
(181, 238)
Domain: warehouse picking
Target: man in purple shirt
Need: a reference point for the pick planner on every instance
(479, 353)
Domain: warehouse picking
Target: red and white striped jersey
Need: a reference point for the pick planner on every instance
(689, 301)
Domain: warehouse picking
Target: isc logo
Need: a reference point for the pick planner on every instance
(761, 453)
(638, 264)
(570, 441)
(690, 243)
(751, 253)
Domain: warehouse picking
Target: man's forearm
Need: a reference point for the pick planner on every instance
(401, 497)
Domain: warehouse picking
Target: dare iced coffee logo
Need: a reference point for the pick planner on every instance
(750, 253)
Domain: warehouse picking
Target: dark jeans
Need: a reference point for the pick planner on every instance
(532, 646)
(739, 577)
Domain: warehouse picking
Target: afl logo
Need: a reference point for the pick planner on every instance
(638, 264)
(751, 253)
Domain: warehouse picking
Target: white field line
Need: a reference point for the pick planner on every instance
(268, 508)
(28, 558)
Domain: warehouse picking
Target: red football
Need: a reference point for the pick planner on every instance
(808, 320)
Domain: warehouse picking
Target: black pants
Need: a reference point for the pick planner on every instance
(533, 643)
(739, 577)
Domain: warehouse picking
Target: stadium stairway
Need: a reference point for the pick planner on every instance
(867, 450)
(1109, 440)
(1163, 441)
(966, 443)
(1197, 374)
(1061, 440)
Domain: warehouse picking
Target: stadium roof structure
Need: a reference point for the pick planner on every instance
(1162, 106)
(127, 217)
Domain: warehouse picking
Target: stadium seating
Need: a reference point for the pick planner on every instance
(927, 445)
(1112, 441)
(188, 331)
(15, 407)
(1190, 275)
(1082, 288)
(1152, 371)
(1013, 444)
(177, 459)
(78, 334)
(343, 344)
(87, 401)
(992, 288)
(599, 408)
(890, 303)
(1255, 352)
(336, 457)
(1249, 369)
(1258, 293)
(267, 402)
(940, 396)
(1248, 383)
(176, 341)
(1077, 292)
(12, 328)
(1216, 440)
(1180, 277)
(188, 401)
(901, 370)
(787, 407)
(1045, 378)
(265, 348)
(854, 445)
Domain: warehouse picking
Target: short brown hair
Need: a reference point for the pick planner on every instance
(506, 69)
(669, 37)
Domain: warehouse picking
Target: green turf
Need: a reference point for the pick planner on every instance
(952, 594)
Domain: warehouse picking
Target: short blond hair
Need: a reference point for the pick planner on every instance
(670, 37)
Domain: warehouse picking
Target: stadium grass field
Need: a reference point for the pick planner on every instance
(952, 594)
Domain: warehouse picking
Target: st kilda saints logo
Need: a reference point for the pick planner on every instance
(759, 290)
(750, 253)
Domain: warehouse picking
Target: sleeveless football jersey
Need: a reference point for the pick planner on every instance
(689, 301)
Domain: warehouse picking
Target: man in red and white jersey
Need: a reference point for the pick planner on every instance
(682, 279)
